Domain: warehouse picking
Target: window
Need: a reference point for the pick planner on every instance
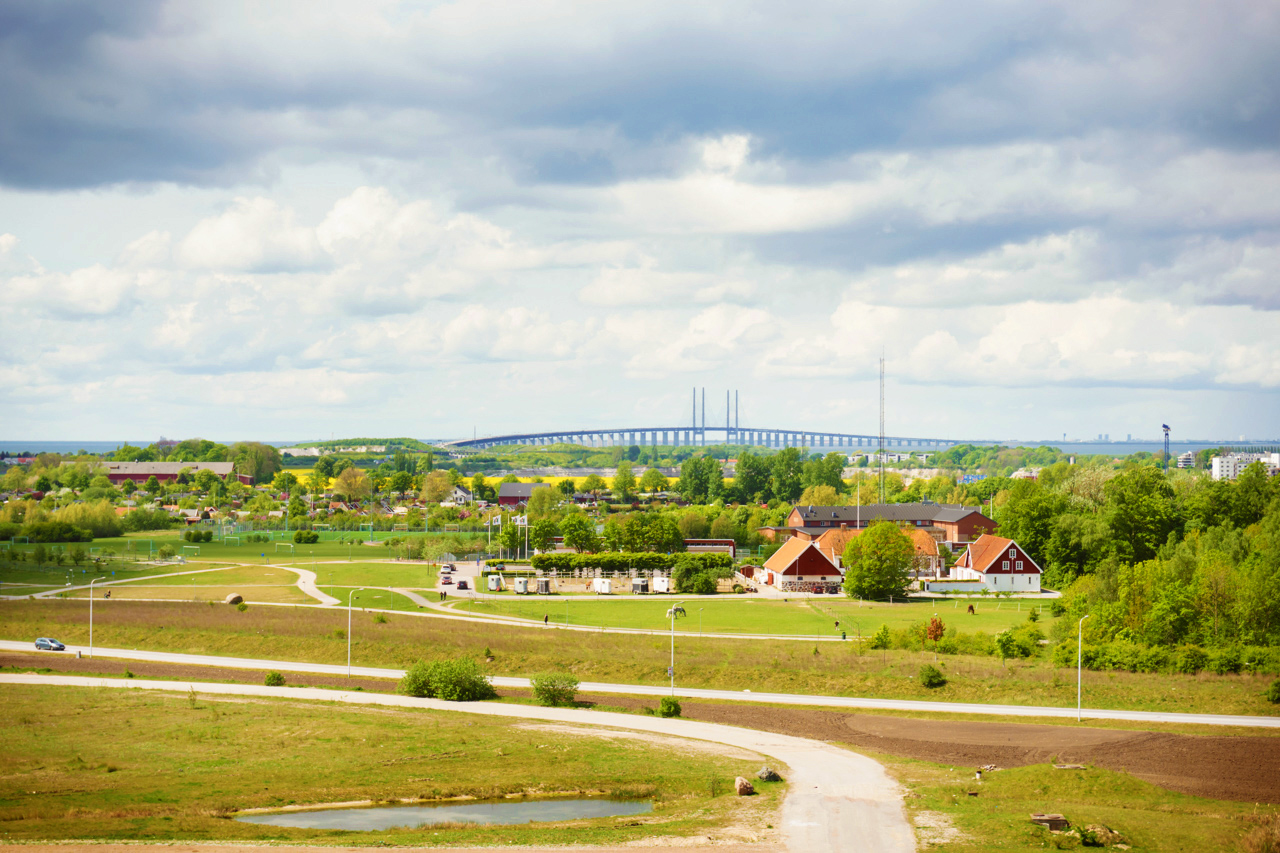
(1019, 565)
(1006, 565)
(1011, 554)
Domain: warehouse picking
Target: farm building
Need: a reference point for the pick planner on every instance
(928, 562)
(799, 566)
(998, 563)
(140, 472)
(516, 494)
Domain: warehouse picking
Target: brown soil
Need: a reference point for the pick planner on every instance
(1244, 768)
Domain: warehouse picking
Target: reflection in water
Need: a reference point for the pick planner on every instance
(500, 812)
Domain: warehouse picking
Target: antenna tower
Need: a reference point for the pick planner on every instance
(1166, 447)
(882, 427)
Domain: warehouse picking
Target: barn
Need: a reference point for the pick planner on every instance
(998, 563)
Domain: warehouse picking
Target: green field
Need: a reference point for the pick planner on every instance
(741, 615)
(992, 815)
(132, 766)
(378, 599)
(317, 635)
(408, 575)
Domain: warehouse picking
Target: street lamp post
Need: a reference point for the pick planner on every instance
(91, 583)
(1079, 659)
(673, 647)
(350, 597)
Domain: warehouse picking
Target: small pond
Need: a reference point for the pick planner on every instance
(491, 812)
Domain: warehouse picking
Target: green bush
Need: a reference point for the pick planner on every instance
(306, 537)
(668, 707)
(459, 680)
(1225, 661)
(208, 536)
(1273, 692)
(554, 688)
(55, 531)
(880, 639)
(242, 607)
(274, 679)
(931, 677)
(165, 552)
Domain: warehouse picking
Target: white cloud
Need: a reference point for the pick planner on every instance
(252, 235)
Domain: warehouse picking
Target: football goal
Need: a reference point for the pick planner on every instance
(230, 540)
(400, 528)
(191, 550)
(288, 545)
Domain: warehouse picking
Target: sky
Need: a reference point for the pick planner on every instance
(289, 221)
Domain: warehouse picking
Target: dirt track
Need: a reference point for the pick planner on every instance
(1244, 768)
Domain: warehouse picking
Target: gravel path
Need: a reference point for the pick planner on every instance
(837, 801)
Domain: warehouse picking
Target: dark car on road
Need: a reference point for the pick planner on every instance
(50, 645)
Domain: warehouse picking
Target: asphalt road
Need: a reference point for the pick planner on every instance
(696, 693)
(837, 800)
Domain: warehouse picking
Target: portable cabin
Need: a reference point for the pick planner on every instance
(544, 586)
(662, 584)
(522, 586)
(602, 586)
(639, 586)
(495, 583)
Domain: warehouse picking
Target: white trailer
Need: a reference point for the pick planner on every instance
(662, 584)
(602, 586)
(639, 586)
(495, 583)
(522, 586)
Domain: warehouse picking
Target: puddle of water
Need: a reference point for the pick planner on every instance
(501, 812)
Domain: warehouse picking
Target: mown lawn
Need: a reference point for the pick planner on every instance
(744, 615)
(123, 765)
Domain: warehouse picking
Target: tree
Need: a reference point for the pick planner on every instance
(128, 487)
(511, 535)
(401, 482)
(283, 482)
(693, 525)
(152, 485)
(1142, 512)
(554, 689)
(653, 480)
(701, 479)
(543, 533)
(437, 487)
(624, 483)
(260, 461)
(878, 562)
(784, 478)
(480, 488)
(579, 533)
(633, 452)
(594, 484)
(542, 503)
(936, 630)
(77, 555)
(820, 496)
(207, 481)
(566, 487)
(324, 467)
(353, 484)
(827, 471)
(751, 476)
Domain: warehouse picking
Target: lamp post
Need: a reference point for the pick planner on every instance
(349, 600)
(1079, 659)
(91, 583)
(673, 647)
(699, 621)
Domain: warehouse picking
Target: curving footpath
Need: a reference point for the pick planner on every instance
(811, 700)
(837, 800)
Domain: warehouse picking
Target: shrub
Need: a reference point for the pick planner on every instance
(208, 536)
(274, 679)
(306, 537)
(738, 589)
(554, 688)
(1226, 661)
(166, 552)
(1189, 659)
(459, 680)
(242, 607)
(55, 531)
(668, 707)
(880, 639)
(1273, 692)
(931, 677)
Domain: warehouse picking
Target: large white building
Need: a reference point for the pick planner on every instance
(1231, 466)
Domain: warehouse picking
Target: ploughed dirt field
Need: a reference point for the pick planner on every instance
(1244, 768)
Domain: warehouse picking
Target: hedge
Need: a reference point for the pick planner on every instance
(615, 561)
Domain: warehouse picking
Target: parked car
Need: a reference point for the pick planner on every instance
(50, 645)
(446, 579)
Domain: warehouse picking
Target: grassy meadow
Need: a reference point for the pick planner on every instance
(842, 669)
(993, 815)
(120, 765)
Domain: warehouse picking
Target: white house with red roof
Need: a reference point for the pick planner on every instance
(800, 566)
(999, 564)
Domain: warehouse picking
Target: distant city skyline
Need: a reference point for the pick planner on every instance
(425, 219)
